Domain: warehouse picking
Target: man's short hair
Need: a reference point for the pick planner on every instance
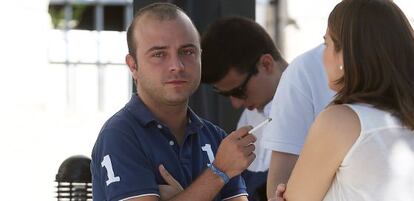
(234, 42)
(158, 11)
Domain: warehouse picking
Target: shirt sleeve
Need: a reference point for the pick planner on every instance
(292, 114)
(236, 187)
(120, 168)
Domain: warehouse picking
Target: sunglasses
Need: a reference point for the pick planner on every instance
(239, 91)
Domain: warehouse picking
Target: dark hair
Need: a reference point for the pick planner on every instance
(159, 11)
(377, 44)
(233, 42)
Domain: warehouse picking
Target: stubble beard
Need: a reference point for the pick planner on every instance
(162, 95)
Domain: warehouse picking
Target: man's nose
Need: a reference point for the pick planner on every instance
(236, 102)
(176, 63)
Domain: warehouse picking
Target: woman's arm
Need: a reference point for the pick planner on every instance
(331, 136)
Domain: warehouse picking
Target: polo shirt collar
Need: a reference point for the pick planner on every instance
(139, 110)
(145, 116)
(194, 120)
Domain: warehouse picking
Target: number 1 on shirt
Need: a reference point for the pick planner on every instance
(106, 162)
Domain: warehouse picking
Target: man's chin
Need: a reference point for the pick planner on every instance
(259, 109)
(177, 99)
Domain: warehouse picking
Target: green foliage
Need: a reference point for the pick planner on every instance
(57, 13)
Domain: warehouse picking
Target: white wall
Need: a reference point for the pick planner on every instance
(38, 126)
(311, 18)
(23, 82)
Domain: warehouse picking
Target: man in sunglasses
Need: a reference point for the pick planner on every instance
(240, 61)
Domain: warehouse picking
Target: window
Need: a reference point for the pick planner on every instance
(111, 15)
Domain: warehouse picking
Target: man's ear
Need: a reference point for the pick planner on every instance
(267, 63)
(132, 65)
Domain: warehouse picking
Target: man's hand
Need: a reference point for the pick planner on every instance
(281, 188)
(172, 188)
(235, 152)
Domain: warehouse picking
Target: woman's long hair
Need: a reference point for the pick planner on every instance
(377, 43)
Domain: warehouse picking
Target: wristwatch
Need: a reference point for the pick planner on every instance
(219, 173)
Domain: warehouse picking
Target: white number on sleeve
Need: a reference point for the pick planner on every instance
(106, 162)
(210, 154)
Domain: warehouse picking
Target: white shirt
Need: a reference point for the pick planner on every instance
(302, 93)
(380, 164)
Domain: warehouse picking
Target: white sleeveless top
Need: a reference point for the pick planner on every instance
(380, 165)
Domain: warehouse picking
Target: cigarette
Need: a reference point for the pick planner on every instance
(267, 120)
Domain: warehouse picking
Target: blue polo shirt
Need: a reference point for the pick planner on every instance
(133, 143)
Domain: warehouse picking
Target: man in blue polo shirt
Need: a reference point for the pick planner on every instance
(157, 130)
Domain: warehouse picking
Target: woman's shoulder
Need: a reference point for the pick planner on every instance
(337, 116)
(337, 124)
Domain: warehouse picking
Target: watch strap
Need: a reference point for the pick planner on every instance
(219, 173)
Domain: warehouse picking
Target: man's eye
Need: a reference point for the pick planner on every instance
(188, 52)
(158, 54)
